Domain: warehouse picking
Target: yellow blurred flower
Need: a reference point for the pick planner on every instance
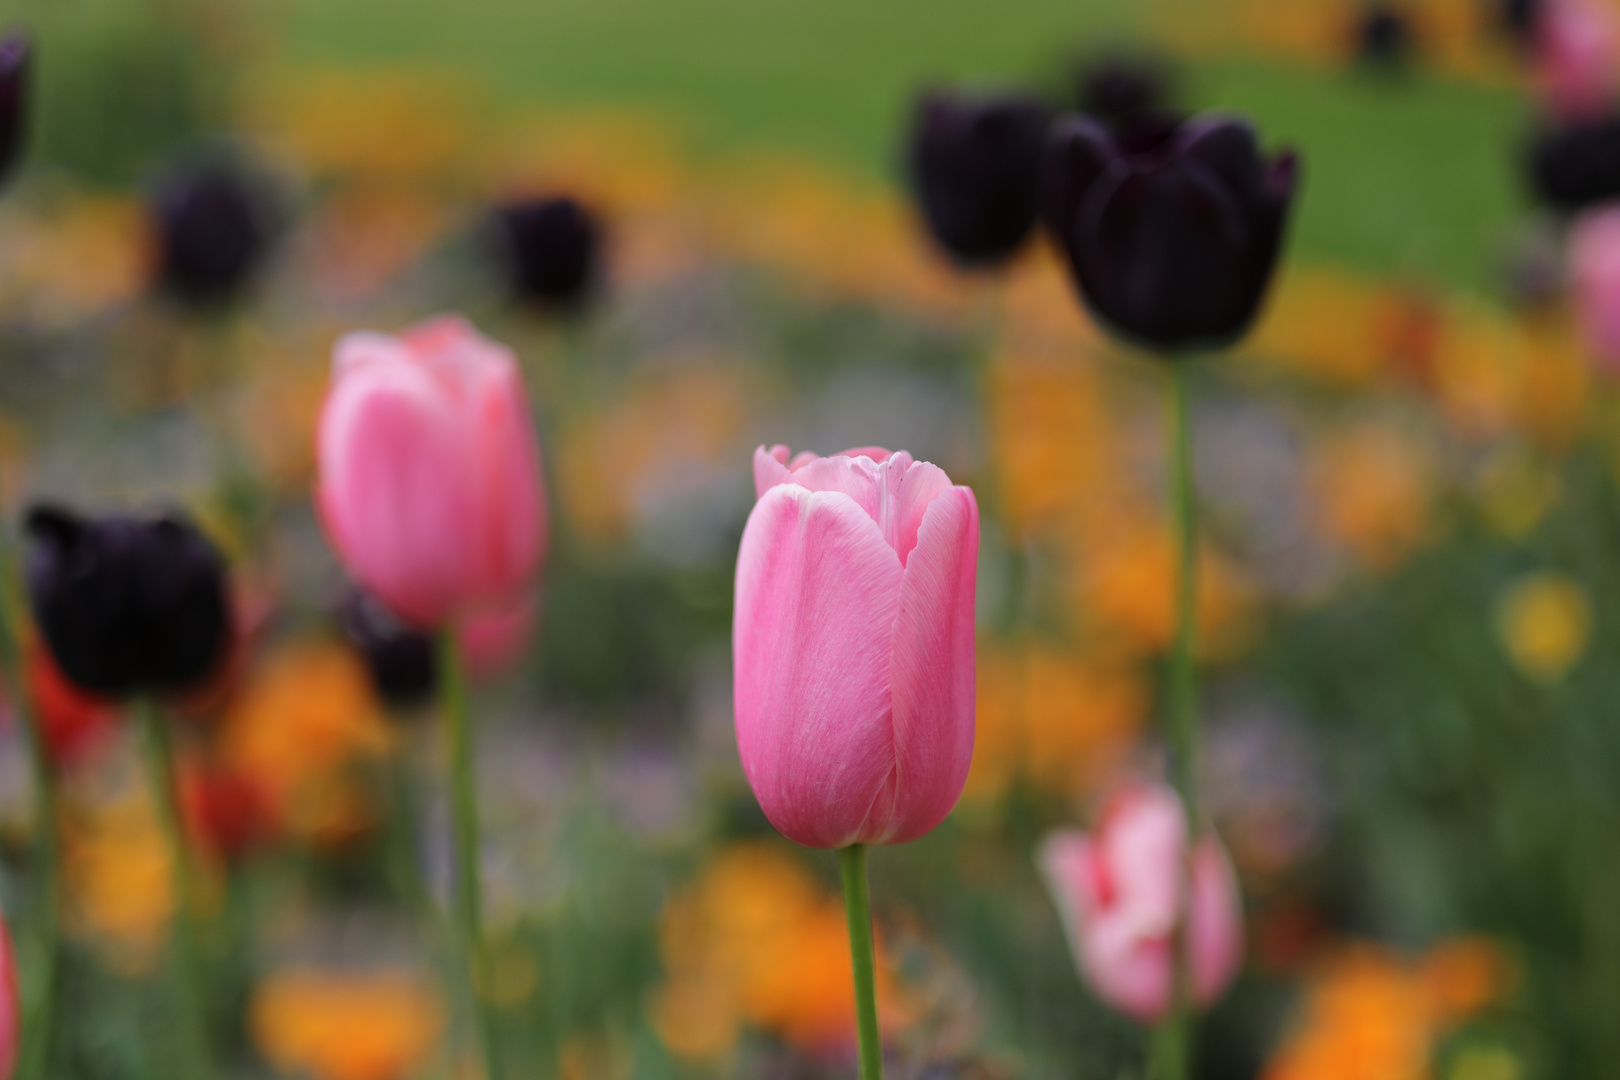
(390, 124)
(1370, 1015)
(333, 1026)
(118, 872)
(300, 724)
(74, 256)
(756, 940)
(1544, 621)
(1515, 492)
(1371, 484)
(1059, 720)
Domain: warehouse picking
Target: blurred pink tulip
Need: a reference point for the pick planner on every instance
(1118, 894)
(1577, 55)
(430, 484)
(10, 1007)
(1594, 270)
(853, 644)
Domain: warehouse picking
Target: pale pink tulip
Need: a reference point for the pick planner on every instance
(430, 484)
(1119, 890)
(1577, 55)
(853, 643)
(1594, 270)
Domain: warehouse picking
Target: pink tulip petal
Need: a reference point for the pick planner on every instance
(932, 670)
(876, 453)
(397, 510)
(769, 469)
(1217, 922)
(817, 594)
(511, 509)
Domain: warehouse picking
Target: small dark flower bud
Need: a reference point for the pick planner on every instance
(1171, 231)
(16, 64)
(127, 605)
(213, 228)
(1519, 19)
(1114, 89)
(975, 166)
(1382, 36)
(402, 661)
(551, 248)
(1576, 165)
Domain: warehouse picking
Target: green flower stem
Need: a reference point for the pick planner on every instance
(1172, 1043)
(468, 900)
(39, 1015)
(187, 959)
(858, 910)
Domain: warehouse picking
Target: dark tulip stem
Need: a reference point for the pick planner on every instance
(1172, 1041)
(858, 911)
(468, 898)
(186, 959)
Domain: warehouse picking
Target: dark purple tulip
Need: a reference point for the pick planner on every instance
(213, 232)
(975, 165)
(1576, 165)
(127, 605)
(1172, 229)
(16, 63)
(1382, 36)
(1519, 18)
(552, 248)
(1118, 88)
(402, 661)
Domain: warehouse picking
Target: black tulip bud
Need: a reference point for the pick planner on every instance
(1382, 36)
(402, 661)
(1172, 231)
(1116, 89)
(976, 166)
(213, 230)
(1519, 19)
(551, 248)
(1573, 166)
(16, 63)
(127, 605)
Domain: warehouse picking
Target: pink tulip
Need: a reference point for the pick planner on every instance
(1594, 270)
(10, 1009)
(1577, 53)
(430, 484)
(853, 643)
(1119, 895)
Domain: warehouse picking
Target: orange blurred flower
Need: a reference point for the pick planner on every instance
(756, 940)
(334, 1026)
(304, 720)
(1127, 591)
(1371, 487)
(1370, 1015)
(1058, 719)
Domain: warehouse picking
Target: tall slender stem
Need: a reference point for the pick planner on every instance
(187, 960)
(1172, 1043)
(468, 892)
(39, 1018)
(858, 910)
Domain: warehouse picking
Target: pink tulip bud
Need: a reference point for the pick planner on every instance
(430, 484)
(1594, 270)
(1119, 894)
(1577, 54)
(10, 1009)
(853, 645)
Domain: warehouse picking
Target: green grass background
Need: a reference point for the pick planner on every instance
(1409, 174)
